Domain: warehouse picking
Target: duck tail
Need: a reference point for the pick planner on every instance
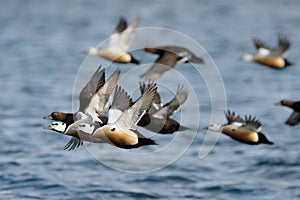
(263, 139)
(146, 141)
(288, 63)
(182, 128)
(133, 60)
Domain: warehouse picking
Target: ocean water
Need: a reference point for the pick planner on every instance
(42, 68)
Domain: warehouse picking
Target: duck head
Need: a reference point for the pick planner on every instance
(247, 57)
(284, 103)
(215, 127)
(57, 126)
(91, 51)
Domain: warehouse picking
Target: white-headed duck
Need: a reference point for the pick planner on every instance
(93, 101)
(78, 135)
(93, 98)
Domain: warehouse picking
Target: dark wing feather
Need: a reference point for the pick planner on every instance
(103, 94)
(73, 144)
(283, 45)
(156, 103)
(121, 100)
(163, 63)
(260, 44)
(180, 97)
(231, 117)
(122, 25)
(132, 115)
(252, 123)
(293, 119)
(96, 81)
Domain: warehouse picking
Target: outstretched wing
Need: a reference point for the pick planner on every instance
(73, 144)
(156, 103)
(232, 118)
(132, 115)
(122, 25)
(293, 119)
(171, 107)
(96, 82)
(98, 105)
(283, 46)
(252, 123)
(120, 103)
(163, 63)
(103, 95)
(121, 39)
(261, 47)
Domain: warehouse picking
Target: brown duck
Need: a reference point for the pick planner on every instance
(294, 118)
(157, 119)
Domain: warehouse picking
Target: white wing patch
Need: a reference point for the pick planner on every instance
(113, 115)
(86, 128)
(120, 42)
(161, 114)
(263, 52)
(237, 124)
(80, 118)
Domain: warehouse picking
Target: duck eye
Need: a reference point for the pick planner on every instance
(56, 124)
(113, 129)
(233, 129)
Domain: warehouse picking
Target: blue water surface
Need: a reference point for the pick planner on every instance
(41, 52)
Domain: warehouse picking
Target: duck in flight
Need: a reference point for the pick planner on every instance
(79, 134)
(169, 57)
(121, 128)
(157, 119)
(246, 130)
(93, 98)
(93, 103)
(271, 57)
(119, 43)
(294, 118)
(123, 118)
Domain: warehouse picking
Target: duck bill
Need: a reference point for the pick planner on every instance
(85, 51)
(277, 103)
(47, 127)
(47, 117)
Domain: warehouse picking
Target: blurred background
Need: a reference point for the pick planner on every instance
(41, 53)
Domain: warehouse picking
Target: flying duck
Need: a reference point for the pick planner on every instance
(157, 119)
(245, 130)
(93, 98)
(93, 102)
(169, 57)
(119, 43)
(122, 137)
(78, 135)
(122, 120)
(294, 118)
(271, 57)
